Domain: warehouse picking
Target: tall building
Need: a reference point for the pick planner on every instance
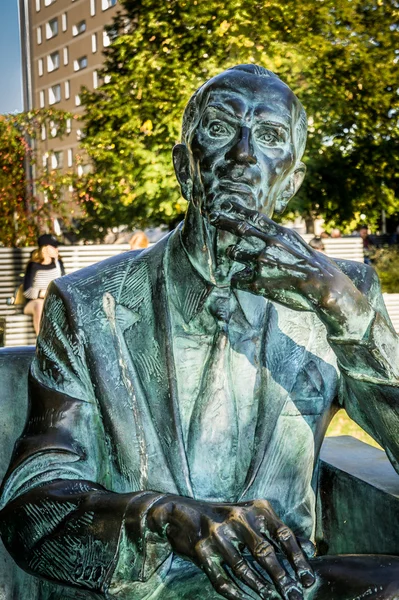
(62, 44)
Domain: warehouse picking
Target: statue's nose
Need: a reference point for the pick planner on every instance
(242, 151)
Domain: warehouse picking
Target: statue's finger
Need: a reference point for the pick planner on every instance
(264, 554)
(223, 584)
(242, 569)
(288, 543)
(255, 217)
(236, 226)
(247, 257)
(301, 268)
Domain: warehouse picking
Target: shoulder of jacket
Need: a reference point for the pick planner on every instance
(91, 283)
(363, 276)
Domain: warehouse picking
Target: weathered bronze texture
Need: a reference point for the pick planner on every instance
(180, 396)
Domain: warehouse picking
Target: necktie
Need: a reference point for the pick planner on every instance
(213, 431)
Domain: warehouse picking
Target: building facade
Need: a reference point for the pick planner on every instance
(62, 50)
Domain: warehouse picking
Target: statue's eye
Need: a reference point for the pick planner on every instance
(269, 137)
(218, 129)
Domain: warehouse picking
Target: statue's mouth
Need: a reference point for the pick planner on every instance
(227, 185)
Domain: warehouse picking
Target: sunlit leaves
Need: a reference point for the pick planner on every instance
(340, 57)
(24, 212)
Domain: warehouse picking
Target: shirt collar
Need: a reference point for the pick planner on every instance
(191, 290)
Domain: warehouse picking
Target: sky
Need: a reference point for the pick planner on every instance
(10, 58)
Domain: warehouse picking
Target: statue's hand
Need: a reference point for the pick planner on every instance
(214, 535)
(282, 267)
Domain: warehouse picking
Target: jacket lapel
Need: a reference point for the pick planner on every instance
(144, 322)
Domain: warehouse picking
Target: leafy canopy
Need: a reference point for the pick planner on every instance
(30, 194)
(339, 56)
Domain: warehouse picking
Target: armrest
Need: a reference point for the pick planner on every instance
(358, 499)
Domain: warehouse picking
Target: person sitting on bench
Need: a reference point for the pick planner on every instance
(44, 266)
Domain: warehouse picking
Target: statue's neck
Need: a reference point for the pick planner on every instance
(206, 248)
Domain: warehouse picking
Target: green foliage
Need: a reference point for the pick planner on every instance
(13, 150)
(386, 263)
(339, 56)
(23, 213)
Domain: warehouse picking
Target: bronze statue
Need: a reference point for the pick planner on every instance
(180, 396)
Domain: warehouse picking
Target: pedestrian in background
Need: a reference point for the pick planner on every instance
(43, 267)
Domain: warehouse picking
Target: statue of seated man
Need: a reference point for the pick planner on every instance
(180, 395)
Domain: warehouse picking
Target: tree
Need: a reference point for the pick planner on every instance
(338, 56)
(28, 202)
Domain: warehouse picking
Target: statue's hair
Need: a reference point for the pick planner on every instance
(198, 101)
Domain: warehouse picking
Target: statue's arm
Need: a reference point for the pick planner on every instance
(369, 369)
(78, 533)
(58, 518)
(279, 265)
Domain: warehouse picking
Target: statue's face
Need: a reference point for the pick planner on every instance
(242, 148)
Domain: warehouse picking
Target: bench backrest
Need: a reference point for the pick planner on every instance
(350, 248)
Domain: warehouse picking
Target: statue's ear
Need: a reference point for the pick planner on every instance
(181, 163)
(294, 183)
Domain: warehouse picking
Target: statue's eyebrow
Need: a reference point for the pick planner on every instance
(223, 108)
(274, 124)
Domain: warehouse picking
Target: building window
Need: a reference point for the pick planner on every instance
(39, 35)
(94, 43)
(51, 29)
(78, 101)
(66, 57)
(70, 157)
(67, 90)
(80, 63)
(48, 2)
(107, 4)
(44, 133)
(53, 61)
(83, 169)
(54, 94)
(79, 28)
(44, 160)
(40, 66)
(106, 40)
(64, 22)
(107, 78)
(95, 80)
(92, 7)
(53, 129)
(37, 5)
(57, 160)
(41, 99)
(68, 125)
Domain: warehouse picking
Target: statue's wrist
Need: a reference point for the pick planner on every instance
(346, 315)
(158, 513)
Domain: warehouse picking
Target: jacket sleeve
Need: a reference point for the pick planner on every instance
(370, 375)
(57, 520)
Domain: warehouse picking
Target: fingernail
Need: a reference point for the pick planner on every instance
(214, 218)
(295, 595)
(226, 205)
(307, 579)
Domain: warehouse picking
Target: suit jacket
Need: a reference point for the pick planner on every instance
(103, 437)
